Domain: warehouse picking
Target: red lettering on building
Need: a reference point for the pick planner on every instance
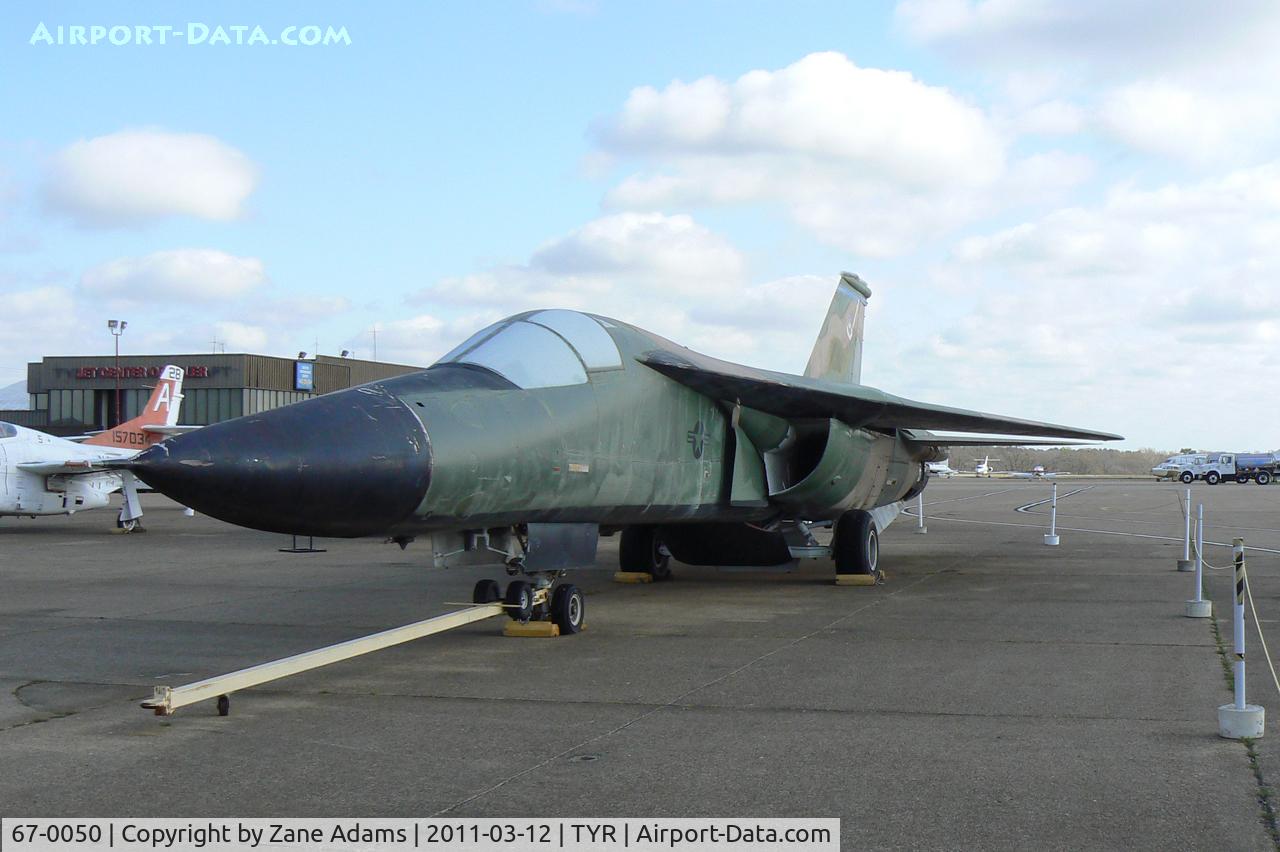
(195, 371)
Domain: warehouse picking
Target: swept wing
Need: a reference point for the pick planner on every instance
(790, 396)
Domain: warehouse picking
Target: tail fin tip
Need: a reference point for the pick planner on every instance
(852, 279)
(837, 354)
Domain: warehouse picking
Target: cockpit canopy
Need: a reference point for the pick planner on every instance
(540, 350)
(8, 430)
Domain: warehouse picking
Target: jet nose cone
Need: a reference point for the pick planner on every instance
(350, 463)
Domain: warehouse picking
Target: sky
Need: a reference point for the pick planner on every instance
(1066, 210)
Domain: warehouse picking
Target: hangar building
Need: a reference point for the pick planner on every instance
(71, 395)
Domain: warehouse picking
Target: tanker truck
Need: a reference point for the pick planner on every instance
(1213, 468)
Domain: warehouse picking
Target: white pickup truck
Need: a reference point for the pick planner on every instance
(1175, 466)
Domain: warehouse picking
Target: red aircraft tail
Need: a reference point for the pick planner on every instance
(161, 410)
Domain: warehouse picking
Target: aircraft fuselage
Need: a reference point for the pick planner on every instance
(460, 447)
(24, 492)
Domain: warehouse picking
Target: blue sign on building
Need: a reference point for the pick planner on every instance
(304, 376)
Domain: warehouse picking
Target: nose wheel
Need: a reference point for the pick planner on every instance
(536, 602)
(568, 608)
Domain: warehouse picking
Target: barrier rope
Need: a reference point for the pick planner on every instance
(1257, 626)
(1196, 550)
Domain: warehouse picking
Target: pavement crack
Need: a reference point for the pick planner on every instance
(46, 715)
(855, 712)
(17, 692)
(50, 715)
(1266, 797)
(1263, 792)
(679, 699)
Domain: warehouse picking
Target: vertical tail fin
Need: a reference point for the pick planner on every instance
(838, 353)
(161, 410)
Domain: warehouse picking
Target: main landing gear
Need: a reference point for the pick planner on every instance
(534, 600)
(855, 548)
(641, 551)
(643, 556)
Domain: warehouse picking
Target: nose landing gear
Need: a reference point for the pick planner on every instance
(534, 607)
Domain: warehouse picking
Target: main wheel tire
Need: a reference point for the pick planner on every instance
(568, 608)
(855, 547)
(641, 550)
(1212, 477)
(1263, 477)
(486, 592)
(1186, 476)
(519, 600)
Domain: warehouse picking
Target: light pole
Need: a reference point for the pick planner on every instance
(117, 328)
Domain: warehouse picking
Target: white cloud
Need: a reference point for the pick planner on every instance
(870, 160)
(241, 337)
(1231, 221)
(1092, 33)
(666, 247)
(1188, 79)
(1200, 126)
(420, 340)
(13, 240)
(1116, 314)
(38, 321)
(668, 274)
(1053, 117)
(137, 176)
(175, 276)
(602, 261)
(824, 107)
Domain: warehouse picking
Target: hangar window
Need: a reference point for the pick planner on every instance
(527, 355)
(8, 430)
(593, 343)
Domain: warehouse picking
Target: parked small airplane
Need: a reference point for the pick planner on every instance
(983, 467)
(941, 468)
(44, 475)
(539, 433)
(1037, 472)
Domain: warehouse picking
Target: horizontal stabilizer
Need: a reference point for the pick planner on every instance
(790, 396)
(169, 430)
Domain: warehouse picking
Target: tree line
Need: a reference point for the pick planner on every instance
(1098, 461)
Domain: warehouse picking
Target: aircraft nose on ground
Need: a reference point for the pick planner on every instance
(350, 463)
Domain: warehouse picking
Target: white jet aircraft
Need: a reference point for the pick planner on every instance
(941, 468)
(983, 467)
(44, 475)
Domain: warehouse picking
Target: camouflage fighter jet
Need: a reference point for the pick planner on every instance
(541, 432)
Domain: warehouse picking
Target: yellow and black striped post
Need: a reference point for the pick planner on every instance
(1237, 553)
(1239, 720)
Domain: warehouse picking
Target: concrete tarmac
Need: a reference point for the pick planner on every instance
(994, 693)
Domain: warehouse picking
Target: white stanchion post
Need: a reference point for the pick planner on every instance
(1198, 607)
(1184, 564)
(1239, 720)
(1051, 538)
(921, 529)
